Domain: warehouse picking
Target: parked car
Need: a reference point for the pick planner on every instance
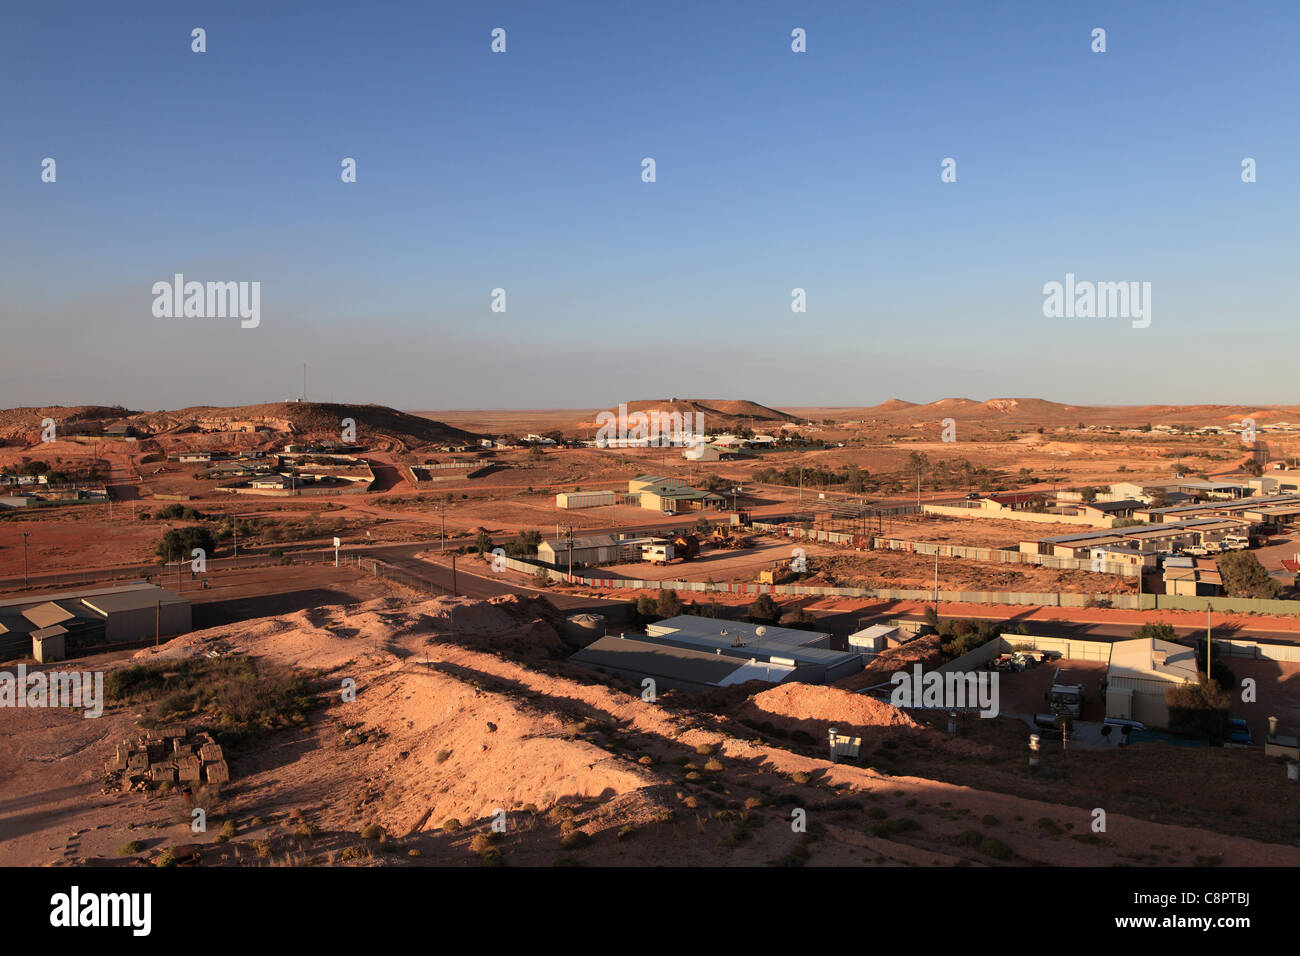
(1239, 733)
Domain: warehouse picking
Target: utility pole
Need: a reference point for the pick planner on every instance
(936, 579)
(1207, 641)
(157, 622)
(454, 592)
(26, 534)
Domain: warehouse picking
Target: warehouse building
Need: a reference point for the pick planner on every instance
(1139, 674)
(1148, 539)
(585, 499)
(1243, 509)
(676, 668)
(808, 652)
(595, 549)
(90, 618)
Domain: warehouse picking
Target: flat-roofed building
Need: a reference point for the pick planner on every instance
(809, 652)
(676, 668)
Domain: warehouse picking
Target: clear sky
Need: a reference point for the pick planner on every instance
(522, 171)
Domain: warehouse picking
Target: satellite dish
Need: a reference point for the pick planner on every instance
(760, 630)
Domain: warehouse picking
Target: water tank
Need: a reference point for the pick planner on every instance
(584, 628)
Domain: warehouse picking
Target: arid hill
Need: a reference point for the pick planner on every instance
(718, 414)
(1037, 411)
(438, 717)
(375, 424)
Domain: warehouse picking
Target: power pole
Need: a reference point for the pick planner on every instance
(25, 536)
(454, 592)
(936, 579)
(1207, 641)
(157, 621)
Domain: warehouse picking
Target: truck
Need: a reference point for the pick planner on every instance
(1064, 698)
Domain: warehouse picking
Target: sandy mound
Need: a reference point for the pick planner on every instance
(814, 709)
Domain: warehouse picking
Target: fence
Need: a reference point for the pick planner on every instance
(386, 572)
(997, 555)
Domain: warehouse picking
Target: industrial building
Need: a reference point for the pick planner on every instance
(1139, 674)
(874, 639)
(1147, 539)
(808, 652)
(676, 668)
(86, 618)
(1252, 509)
(585, 499)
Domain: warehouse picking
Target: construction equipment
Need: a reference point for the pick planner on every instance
(723, 538)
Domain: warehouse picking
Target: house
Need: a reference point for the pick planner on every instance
(594, 549)
(1192, 577)
(1103, 512)
(1138, 675)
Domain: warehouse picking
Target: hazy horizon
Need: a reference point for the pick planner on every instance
(775, 170)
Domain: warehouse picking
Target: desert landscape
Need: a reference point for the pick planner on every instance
(414, 703)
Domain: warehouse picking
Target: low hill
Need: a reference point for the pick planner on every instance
(717, 414)
(313, 421)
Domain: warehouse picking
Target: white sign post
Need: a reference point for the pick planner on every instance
(337, 542)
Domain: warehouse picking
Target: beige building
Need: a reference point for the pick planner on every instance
(1140, 673)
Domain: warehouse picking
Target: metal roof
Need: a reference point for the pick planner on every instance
(667, 661)
(47, 614)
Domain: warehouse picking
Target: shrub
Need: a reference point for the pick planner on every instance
(451, 824)
(373, 832)
(130, 848)
(575, 839)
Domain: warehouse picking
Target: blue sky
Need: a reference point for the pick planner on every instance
(522, 171)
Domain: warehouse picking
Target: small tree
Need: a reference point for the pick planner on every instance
(668, 604)
(179, 543)
(1244, 576)
(483, 541)
(764, 610)
(1159, 632)
(1198, 710)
